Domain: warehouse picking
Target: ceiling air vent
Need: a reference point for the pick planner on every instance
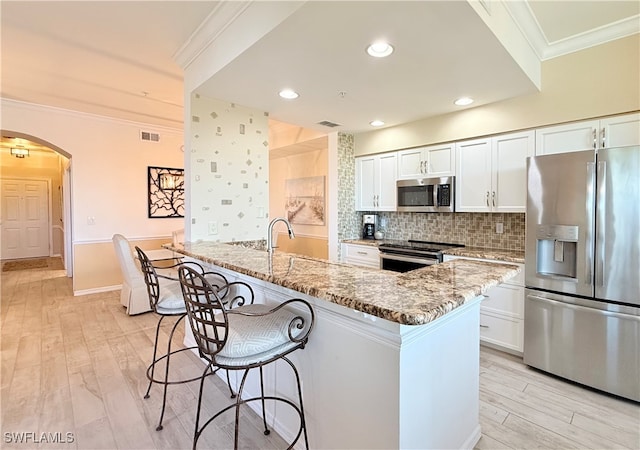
(326, 123)
(149, 136)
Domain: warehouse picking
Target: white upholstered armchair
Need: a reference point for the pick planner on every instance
(134, 290)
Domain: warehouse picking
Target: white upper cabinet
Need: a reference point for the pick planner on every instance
(376, 182)
(618, 131)
(432, 161)
(509, 168)
(473, 175)
(491, 173)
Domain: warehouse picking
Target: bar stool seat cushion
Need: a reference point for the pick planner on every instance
(257, 358)
(253, 339)
(170, 300)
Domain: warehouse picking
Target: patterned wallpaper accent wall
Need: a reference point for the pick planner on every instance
(348, 219)
(229, 171)
(470, 229)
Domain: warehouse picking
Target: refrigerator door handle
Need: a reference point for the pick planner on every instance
(588, 274)
(601, 222)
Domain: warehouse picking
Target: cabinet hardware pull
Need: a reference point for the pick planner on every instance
(484, 326)
(604, 143)
(595, 139)
(493, 198)
(487, 198)
(362, 253)
(421, 166)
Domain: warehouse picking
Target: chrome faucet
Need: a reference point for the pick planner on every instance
(270, 247)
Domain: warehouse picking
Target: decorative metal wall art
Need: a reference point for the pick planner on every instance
(305, 203)
(166, 192)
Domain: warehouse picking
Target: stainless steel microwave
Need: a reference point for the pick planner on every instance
(426, 195)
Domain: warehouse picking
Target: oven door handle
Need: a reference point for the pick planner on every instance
(425, 261)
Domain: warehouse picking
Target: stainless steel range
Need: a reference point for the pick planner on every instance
(403, 256)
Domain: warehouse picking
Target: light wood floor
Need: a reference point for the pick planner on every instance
(77, 365)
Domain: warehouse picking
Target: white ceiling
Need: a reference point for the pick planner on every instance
(116, 58)
(99, 56)
(443, 50)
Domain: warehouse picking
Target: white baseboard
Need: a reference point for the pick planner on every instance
(473, 438)
(115, 287)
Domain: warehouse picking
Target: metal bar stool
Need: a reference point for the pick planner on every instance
(166, 300)
(243, 338)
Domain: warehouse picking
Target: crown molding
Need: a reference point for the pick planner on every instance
(593, 38)
(69, 112)
(218, 20)
(525, 19)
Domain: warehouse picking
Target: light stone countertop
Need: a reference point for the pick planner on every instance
(514, 256)
(413, 298)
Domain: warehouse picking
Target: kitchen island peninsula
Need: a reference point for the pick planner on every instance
(393, 361)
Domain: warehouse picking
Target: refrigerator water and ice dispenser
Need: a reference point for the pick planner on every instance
(556, 251)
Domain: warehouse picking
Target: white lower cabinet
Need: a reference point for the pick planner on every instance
(361, 255)
(502, 312)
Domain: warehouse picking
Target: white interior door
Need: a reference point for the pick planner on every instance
(25, 219)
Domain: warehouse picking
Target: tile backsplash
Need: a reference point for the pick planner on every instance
(349, 220)
(470, 229)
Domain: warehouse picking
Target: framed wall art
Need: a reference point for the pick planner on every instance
(305, 202)
(166, 192)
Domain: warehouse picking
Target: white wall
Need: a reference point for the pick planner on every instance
(108, 182)
(47, 166)
(598, 81)
(228, 172)
(109, 167)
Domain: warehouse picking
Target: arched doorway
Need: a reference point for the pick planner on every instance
(35, 168)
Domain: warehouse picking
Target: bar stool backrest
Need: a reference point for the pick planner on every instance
(150, 278)
(206, 311)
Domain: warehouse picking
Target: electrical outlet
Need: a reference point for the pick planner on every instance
(499, 228)
(91, 220)
(213, 227)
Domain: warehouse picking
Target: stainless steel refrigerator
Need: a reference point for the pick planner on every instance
(582, 272)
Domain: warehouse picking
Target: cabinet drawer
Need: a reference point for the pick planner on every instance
(505, 299)
(363, 255)
(502, 331)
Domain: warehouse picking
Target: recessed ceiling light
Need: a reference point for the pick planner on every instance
(376, 123)
(289, 94)
(380, 49)
(463, 101)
